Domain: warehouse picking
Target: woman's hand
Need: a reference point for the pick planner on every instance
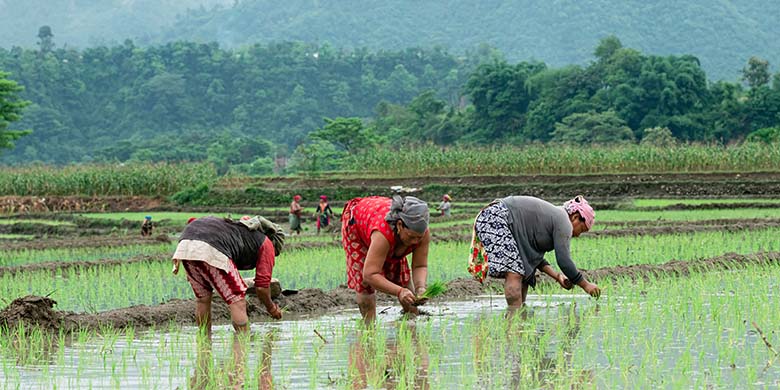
(275, 312)
(405, 297)
(418, 293)
(592, 289)
(564, 281)
(175, 266)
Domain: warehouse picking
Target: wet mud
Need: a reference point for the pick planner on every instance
(40, 311)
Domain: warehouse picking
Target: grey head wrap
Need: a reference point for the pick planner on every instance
(411, 210)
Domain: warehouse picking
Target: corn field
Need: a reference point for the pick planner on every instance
(106, 180)
(560, 159)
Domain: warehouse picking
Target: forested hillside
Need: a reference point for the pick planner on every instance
(175, 101)
(722, 34)
(189, 101)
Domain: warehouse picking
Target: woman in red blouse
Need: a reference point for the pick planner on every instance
(377, 234)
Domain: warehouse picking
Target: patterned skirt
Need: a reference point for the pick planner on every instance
(493, 241)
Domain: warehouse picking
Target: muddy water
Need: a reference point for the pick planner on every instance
(298, 357)
(570, 341)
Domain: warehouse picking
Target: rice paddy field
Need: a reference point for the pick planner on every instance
(690, 294)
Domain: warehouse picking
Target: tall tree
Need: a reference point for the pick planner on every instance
(348, 134)
(45, 39)
(500, 97)
(756, 72)
(10, 111)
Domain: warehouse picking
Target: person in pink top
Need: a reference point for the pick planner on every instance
(377, 234)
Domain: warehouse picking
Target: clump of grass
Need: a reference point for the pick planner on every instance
(434, 290)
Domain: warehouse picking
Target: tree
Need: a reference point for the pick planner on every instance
(659, 137)
(45, 39)
(500, 97)
(10, 111)
(348, 134)
(607, 47)
(756, 72)
(592, 128)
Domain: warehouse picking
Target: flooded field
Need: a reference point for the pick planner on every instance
(689, 301)
(693, 332)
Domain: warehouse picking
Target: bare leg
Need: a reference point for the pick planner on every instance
(203, 314)
(514, 291)
(238, 316)
(367, 305)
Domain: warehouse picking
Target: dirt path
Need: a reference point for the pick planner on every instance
(40, 310)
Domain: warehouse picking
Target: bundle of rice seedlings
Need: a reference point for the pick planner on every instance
(434, 290)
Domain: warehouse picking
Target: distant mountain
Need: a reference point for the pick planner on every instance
(723, 34)
(82, 23)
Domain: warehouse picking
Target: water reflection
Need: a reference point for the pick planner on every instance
(534, 356)
(230, 373)
(382, 363)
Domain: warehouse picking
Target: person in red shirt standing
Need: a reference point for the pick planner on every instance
(377, 234)
(212, 251)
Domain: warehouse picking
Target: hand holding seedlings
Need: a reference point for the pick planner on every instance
(420, 298)
(590, 288)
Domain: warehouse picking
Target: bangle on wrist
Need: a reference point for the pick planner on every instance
(398, 295)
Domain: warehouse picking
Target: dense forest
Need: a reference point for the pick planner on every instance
(722, 34)
(196, 102)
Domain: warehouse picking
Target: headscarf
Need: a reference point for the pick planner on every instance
(412, 211)
(149, 217)
(297, 198)
(579, 205)
(324, 197)
(189, 221)
(446, 197)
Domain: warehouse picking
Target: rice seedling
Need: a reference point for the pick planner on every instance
(434, 290)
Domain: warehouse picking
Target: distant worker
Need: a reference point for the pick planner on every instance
(511, 236)
(147, 226)
(377, 234)
(213, 251)
(323, 213)
(445, 206)
(295, 215)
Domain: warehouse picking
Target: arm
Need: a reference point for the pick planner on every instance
(563, 257)
(372, 270)
(420, 264)
(561, 240)
(559, 277)
(263, 272)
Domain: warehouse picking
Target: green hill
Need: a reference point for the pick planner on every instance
(723, 34)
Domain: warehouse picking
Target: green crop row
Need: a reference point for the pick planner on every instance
(141, 179)
(546, 159)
